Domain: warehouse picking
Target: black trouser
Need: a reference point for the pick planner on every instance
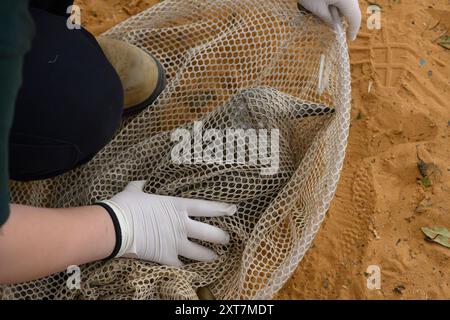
(71, 99)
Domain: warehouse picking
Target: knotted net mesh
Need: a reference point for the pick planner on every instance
(241, 64)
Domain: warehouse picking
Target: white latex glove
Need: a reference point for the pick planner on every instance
(156, 228)
(348, 8)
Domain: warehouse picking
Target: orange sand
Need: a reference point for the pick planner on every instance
(380, 205)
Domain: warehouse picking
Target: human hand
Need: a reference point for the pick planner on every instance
(156, 228)
(348, 8)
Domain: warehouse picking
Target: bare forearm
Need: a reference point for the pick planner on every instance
(36, 242)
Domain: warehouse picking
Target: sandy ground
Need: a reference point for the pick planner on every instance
(400, 114)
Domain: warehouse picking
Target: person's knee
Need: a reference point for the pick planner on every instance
(69, 106)
(63, 143)
(51, 139)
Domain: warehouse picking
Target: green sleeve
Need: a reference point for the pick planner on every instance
(16, 33)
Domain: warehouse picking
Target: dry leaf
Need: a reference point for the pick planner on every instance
(438, 234)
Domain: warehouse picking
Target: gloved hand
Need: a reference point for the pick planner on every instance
(156, 228)
(348, 8)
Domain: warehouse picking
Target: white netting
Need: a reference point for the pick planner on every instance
(233, 64)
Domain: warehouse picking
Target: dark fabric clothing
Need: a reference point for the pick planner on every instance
(16, 32)
(70, 103)
(58, 7)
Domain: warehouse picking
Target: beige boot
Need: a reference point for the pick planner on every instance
(142, 76)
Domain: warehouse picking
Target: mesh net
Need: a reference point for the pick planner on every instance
(231, 64)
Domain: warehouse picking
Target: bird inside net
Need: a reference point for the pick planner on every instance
(230, 64)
